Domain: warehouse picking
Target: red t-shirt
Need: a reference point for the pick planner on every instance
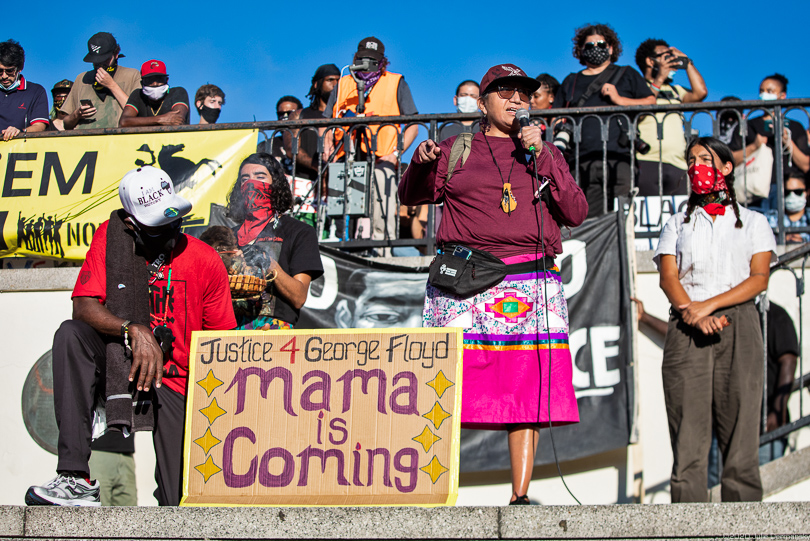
(200, 298)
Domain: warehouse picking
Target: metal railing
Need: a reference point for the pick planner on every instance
(692, 116)
(784, 263)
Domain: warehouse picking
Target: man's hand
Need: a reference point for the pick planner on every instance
(610, 92)
(390, 158)
(428, 151)
(531, 136)
(147, 357)
(86, 111)
(793, 237)
(172, 118)
(695, 311)
(10, 133)
(104, 78)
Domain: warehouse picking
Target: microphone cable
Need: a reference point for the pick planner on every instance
(541, 229)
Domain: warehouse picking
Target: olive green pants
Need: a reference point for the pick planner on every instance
(116, 474)
(715, 379)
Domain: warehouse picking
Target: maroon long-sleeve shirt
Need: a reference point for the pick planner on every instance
(472, 198)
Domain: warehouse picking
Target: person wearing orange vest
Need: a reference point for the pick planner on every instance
(386, 94)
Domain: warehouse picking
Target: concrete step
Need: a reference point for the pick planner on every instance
(681, 521)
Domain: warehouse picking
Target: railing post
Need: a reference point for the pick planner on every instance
(779, 143)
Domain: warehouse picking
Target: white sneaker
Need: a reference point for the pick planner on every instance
(65, 490)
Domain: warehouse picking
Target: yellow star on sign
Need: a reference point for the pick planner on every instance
(434, 469)
(209, 468)
(213, 411)
(440, 383)
(210, 382)
(427, 439)
(436, 415)
(207, 441)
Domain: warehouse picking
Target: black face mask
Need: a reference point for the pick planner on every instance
(152, 245)
(209, 114)
(595, 56)
(98, 87)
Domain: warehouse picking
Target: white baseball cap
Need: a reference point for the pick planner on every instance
(147, 194)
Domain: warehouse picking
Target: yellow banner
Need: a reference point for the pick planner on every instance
(57, 190)
(326, 417)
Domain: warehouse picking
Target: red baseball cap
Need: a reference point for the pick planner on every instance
(153, 67)
(507, 73)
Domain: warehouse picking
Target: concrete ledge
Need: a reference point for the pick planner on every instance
(263, 523)
(12, 521)
(682, 521)
(49, 279)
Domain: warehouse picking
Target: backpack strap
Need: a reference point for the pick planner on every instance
(461, 149)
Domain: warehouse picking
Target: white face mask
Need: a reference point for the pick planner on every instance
(466, 104)
(13, 85)
(767, 96)
(155, 93)
(794, 203)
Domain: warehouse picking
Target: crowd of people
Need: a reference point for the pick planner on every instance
(110, 95)
(506, 192)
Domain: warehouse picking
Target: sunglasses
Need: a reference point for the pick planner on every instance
(506, 92)
(283, 115)
(9, 71)
(591, 44)
(799, 191)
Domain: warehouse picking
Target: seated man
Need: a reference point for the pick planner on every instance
(155, 104)
(209, 100)
(142, 290)
(24, 105)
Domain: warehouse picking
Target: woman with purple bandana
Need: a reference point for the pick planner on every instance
(517, 365)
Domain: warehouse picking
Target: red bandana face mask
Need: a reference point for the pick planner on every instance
(702, 178)
(259, 207)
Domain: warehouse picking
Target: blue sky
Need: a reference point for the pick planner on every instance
(258, 52)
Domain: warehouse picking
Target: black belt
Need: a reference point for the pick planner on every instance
(530, 266)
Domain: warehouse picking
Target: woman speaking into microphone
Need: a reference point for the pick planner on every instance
(505, 196)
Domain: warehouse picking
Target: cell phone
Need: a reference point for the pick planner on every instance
(768, 125)
(680, 63)
(462, 252)
(88, 103)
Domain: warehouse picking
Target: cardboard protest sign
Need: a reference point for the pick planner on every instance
(326, 417)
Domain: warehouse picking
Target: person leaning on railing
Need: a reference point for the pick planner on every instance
(713, 260)
(602, 83)
(660, 63)
(494, 203)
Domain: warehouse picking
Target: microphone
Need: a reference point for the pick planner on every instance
(522, 115)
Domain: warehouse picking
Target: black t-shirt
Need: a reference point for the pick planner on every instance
(308, 139)
(758, 126)
(175, 95)
(781, 340)
(295, 246)
(630, 85)
(114, 442)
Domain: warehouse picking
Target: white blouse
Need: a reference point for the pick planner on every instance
(713, 257)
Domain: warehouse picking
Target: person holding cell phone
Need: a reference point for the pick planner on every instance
(98, 96)
(713, 260)
(795, 148)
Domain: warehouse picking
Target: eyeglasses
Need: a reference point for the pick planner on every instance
(11, 72)
(283, 115)
(591, 44)
(799, 191)
(506, 92)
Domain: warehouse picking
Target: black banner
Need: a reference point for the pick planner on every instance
(356, 293)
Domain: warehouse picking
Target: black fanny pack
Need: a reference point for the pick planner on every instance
(465, 271)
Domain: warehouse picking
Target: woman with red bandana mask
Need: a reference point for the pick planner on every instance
(274, 246)
(713, 260)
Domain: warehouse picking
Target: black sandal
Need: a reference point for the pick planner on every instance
(521, 500)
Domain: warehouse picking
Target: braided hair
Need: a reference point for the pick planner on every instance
(724, 155)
